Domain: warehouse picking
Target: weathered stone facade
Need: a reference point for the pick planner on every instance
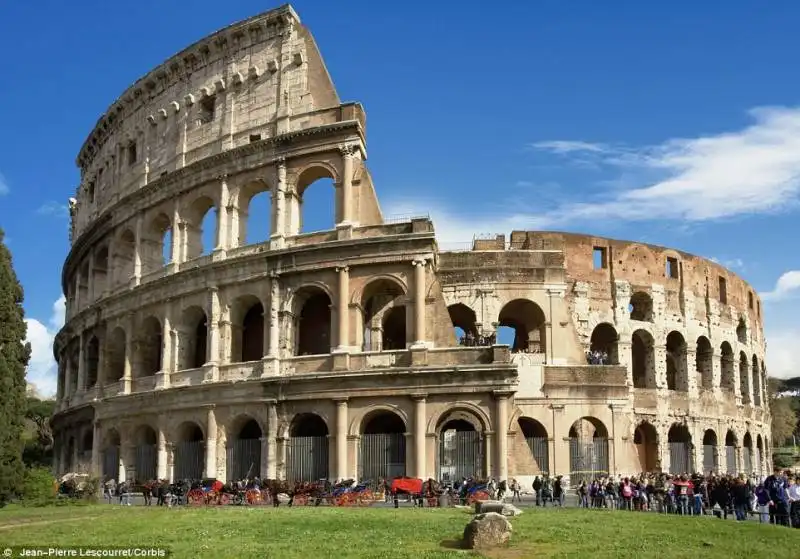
(301, 354)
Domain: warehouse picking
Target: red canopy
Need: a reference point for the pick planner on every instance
(217, 486)
(407, 485)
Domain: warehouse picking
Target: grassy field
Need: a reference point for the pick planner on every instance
(342, 533)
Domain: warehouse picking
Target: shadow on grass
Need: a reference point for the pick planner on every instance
(452, 544)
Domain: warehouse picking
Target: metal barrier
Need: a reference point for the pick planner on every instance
(307, 458)
(588, 461)
(460, 455)
(540, 450)
(243, 459)
(145, 462)
(730, 460)
(710, 458)
(111, 463)
(679, 458)
(189, 460)
(382, 455)
(747, 458)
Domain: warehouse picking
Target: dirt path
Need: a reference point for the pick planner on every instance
(45, 522)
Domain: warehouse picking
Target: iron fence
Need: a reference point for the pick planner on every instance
(710, 458)
(307, 458)
(189, 460)
(244, 459)
(587, 460)
(540, 450)
(145, 462)
(460, 455)
(730, 459)
(679, 458)
(757, 465)
(111, 463)
(382, 455)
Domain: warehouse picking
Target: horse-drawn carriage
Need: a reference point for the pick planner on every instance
(418, 490)
(208, 492)
(474, 492)
(347, 494)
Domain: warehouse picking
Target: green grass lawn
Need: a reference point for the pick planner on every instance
(350, 533)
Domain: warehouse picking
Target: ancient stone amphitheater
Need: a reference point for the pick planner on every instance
(364, 350)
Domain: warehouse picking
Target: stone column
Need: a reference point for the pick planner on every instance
(137, 252)
(97, 456)
(67, 376)
(175, 249)
(279, 202)
(341, 439)
(213, 334)
(419, 302)
(60, 380)
(90, 280)
(127, 371)
(273, 350)
(343, 306)
(420, 414)
(501, 403)
(82, 363)
(161, 456)
(488, 448)
(77, 298)
(162, 377)
(271, 470)
(211, 444)
(101, 367)
(222, 216)
(346, 217)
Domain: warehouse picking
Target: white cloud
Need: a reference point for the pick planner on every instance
(42, 368)
(786, 286)
(782, 354)
(732, 264)
(54, 209)
(4, 189)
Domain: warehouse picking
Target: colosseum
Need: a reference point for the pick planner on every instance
(364, 351)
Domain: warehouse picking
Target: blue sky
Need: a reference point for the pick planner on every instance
(673, 123)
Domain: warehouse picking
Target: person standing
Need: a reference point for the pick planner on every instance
(775, 485)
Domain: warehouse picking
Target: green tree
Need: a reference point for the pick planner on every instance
(14, 356)
(38, 436)
(784, 413)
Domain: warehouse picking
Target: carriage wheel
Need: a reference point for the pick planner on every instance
(266, 498)
(300, 500)
(433, 501)
(252, 497)
(224, 499)
(478, 496)
(195, 497)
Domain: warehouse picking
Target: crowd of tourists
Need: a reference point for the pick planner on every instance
(597, 357)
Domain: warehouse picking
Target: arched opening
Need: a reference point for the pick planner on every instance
(727, 380)
(677, 377)
(759, 457)
(744, 378)
(465, 324)
(643, 360)
(146, 455)
(741, 331)
(83, 283)
(645, 439)
(247, 316)
(384, 316)
(73, 363)
(704, 362)
(680, 449)
(71, 465)
(115, 355)
(307, 450)
(527, 320)
(756, 382)
(383, 447)
(193, 338)
(747, 454)
(460, 447)
(150, 346)
(603, 345)
(244, 450)
(100, 272)
(85, 451)
(111, 448)
(588, 450)
(641, 307)
(201, 227)
(255, 214)
(317, 200)
(313, 323)
(92, 361)
(710, 463)
(189, 461)
(157, 244)
(538, 445)
(123, 258)
(730, 452)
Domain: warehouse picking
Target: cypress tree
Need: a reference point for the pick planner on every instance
(15, 353)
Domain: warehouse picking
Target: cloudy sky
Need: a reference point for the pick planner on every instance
(672, 123)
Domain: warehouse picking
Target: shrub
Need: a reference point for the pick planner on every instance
(39, 487)
(783, 460)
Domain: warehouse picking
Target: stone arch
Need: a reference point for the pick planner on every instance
(741, 331)
(383, 301)
(588, 449)
(150, 347)
(201, 222)
(643, 359)
(464, 323)
(189, 460)
(326, 176)
(247, 320)
(92, 361)
(727, 378)
(110, 448)
(704, 362)
(459, 411)
(100, 271)
(527, 320)
(744, 378)
(145, 439)
(677, 366)
(710, 442)
(193, 338)
(604, 342)
(123, 257)
(244, 448)
(156, 245)
(537, 443)
(312, 320)
(308, 448)
(756, 380)
(461, 443)
(115, 347)
(253, 201)
(382, 448)
(358, 422)
(645, 440)
(640, 307)
(85, 449)
(680, 446)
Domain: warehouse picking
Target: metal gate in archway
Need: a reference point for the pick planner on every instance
(243, 459)
(145, 462)
(111, 463)
(189, 460)
(748, 460)
(460, 455)
(710, 458)
(540, 450)
(730, 460)
(679, 458)
(588, 461)
(307, 458)
(382, 455)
